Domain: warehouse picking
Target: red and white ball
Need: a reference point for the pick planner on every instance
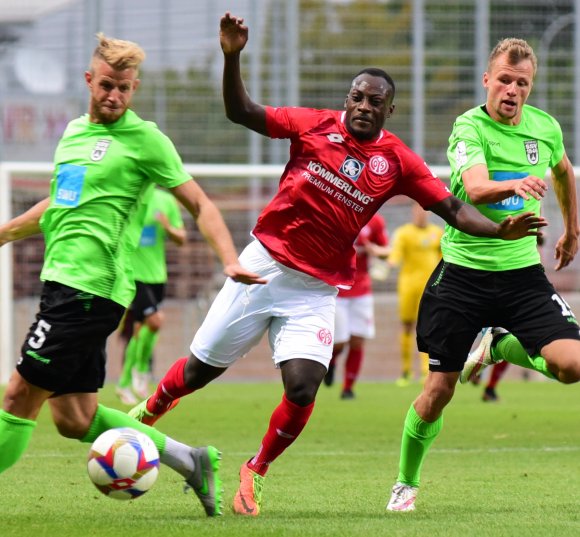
(123, 463)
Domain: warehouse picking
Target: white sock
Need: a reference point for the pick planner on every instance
(178, 457)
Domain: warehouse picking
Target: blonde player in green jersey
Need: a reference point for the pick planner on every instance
(105, 167)
(499, 155)
(416, 250)
(162, 221)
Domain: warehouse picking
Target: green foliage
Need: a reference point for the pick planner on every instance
(496, 470)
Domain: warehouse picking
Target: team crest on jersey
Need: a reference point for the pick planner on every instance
(379, 165)
(532, 151)
(100, 149)
(351, 168)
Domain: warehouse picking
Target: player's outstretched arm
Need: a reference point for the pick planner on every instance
(468, 219)
(564, 182)
(214, 230)
(239, 106)
(24, 225)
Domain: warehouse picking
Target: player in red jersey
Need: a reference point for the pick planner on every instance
(343, 166)
(354, 319)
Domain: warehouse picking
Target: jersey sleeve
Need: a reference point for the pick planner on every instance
(290, 122)
(465, 148)
(162, 163)
(558, 150)
(419, 182)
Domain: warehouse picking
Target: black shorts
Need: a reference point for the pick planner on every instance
(64, 351)
(148, 297)
(458, 302)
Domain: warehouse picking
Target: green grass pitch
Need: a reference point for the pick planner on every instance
(498, 469)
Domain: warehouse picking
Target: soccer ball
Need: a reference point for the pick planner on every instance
(123, 463)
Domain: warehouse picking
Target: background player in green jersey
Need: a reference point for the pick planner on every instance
(499, 154)
(106, 165)
(162, 221)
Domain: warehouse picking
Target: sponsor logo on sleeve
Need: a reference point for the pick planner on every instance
(461, 154)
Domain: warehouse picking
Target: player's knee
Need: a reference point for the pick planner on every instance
(301, 393)
(70, 428)
(569, 373)
(438, 392)
(196, 374)
(155, 321)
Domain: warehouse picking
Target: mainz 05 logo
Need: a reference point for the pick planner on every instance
(325, 336)
(378, 165)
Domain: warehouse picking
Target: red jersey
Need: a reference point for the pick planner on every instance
(332, 184)
(372, 232)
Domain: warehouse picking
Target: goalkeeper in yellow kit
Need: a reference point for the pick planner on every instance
(416, 251)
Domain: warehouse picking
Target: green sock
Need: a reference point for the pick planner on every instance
(511, 350)
(128, 364)
(15, 434)
(418, 435)
(110, 418)
(146, 341)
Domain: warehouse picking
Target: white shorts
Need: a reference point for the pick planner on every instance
(295, 309)
(355, 316)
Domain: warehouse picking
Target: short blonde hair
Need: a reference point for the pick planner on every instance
(517, 50)
(118, 53)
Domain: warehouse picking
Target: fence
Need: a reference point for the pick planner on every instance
(300, 52)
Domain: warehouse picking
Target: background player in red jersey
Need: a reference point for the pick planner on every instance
(354, 320)
(343, 166)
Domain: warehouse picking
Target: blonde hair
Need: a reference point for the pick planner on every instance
(517, 50)
(118, 53)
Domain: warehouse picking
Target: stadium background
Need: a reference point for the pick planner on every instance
(300, 53)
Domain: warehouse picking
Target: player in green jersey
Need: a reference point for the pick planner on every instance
(499, 155)
(106, 165)
(162, 220)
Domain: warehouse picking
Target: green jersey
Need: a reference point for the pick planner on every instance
(102, 175)
(509, 152)
(149, 258)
